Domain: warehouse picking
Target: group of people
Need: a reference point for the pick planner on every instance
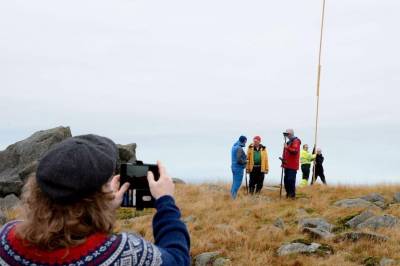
(255, 163)
(70, 205)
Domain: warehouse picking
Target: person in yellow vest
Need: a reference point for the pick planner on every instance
(257, 164)
(306, 159)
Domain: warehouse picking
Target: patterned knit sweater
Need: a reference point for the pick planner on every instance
(171, 246)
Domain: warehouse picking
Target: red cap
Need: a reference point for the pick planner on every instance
(257, 138)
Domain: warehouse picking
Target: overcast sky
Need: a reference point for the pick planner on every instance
(183, 79)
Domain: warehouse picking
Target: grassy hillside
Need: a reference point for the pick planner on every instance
(243, 230)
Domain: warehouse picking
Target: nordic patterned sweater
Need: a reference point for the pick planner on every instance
(171, 246)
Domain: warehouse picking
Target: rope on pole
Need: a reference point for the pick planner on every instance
(318, 85)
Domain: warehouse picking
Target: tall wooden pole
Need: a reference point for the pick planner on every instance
(318, 84)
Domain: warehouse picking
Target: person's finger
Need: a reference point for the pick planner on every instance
(161, 169)
(150, 177)
(122, 190)
(115, 182)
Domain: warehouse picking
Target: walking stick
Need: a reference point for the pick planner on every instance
(247, 188)
(280, 190)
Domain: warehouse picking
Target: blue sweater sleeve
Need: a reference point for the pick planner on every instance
(170, 233)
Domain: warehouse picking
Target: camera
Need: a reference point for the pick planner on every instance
(285, 134)
(138, 195)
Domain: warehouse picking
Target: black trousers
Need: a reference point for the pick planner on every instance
(319, 172)
(305, 169)
(290, 183)
(256, 180)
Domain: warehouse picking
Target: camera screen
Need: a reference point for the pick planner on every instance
(137, 171)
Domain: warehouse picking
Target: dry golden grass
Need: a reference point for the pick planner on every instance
(242, 230)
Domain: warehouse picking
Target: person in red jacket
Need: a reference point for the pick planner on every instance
(290, 162)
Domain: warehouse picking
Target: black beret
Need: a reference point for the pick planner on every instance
(76, 167)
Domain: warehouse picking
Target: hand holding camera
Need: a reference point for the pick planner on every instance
(118, 191)
(146, 183)
(164, 186)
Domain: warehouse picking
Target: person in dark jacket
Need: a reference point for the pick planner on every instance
(69, 210)
(239, 160)
(290, 163)
(319, 168)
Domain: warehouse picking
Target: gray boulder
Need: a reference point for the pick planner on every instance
(206, 259)
(10, 187)
(353, 203)
(293, 248)
(318, 233)
(316, 227)
(127, 153)
(380, 204)
(396, 197)
(19, 160)
(304, 248)
(376, 222)
(319, 223)
(220, 261)
(3, 218)
(376, 199)
(362, 217)
(356, 236)
(373, 197)
(9, 202)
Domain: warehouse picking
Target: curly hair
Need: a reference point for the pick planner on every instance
(50, 225)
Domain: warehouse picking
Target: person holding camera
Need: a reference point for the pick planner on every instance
(306, 158)
(238, 158)
(69, 210)
(319, 168)
(257, 165)
(290, 162)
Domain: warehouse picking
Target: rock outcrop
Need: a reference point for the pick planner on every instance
(304, 248)
(376, 199)
(127, 153)
(375, 222)
(362, 217)
(316, 227)
(356, 236)
(354, 203)
(19, 160)
(209, 259)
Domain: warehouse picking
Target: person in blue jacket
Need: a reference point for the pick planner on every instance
(69, 213)
(239, 161)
